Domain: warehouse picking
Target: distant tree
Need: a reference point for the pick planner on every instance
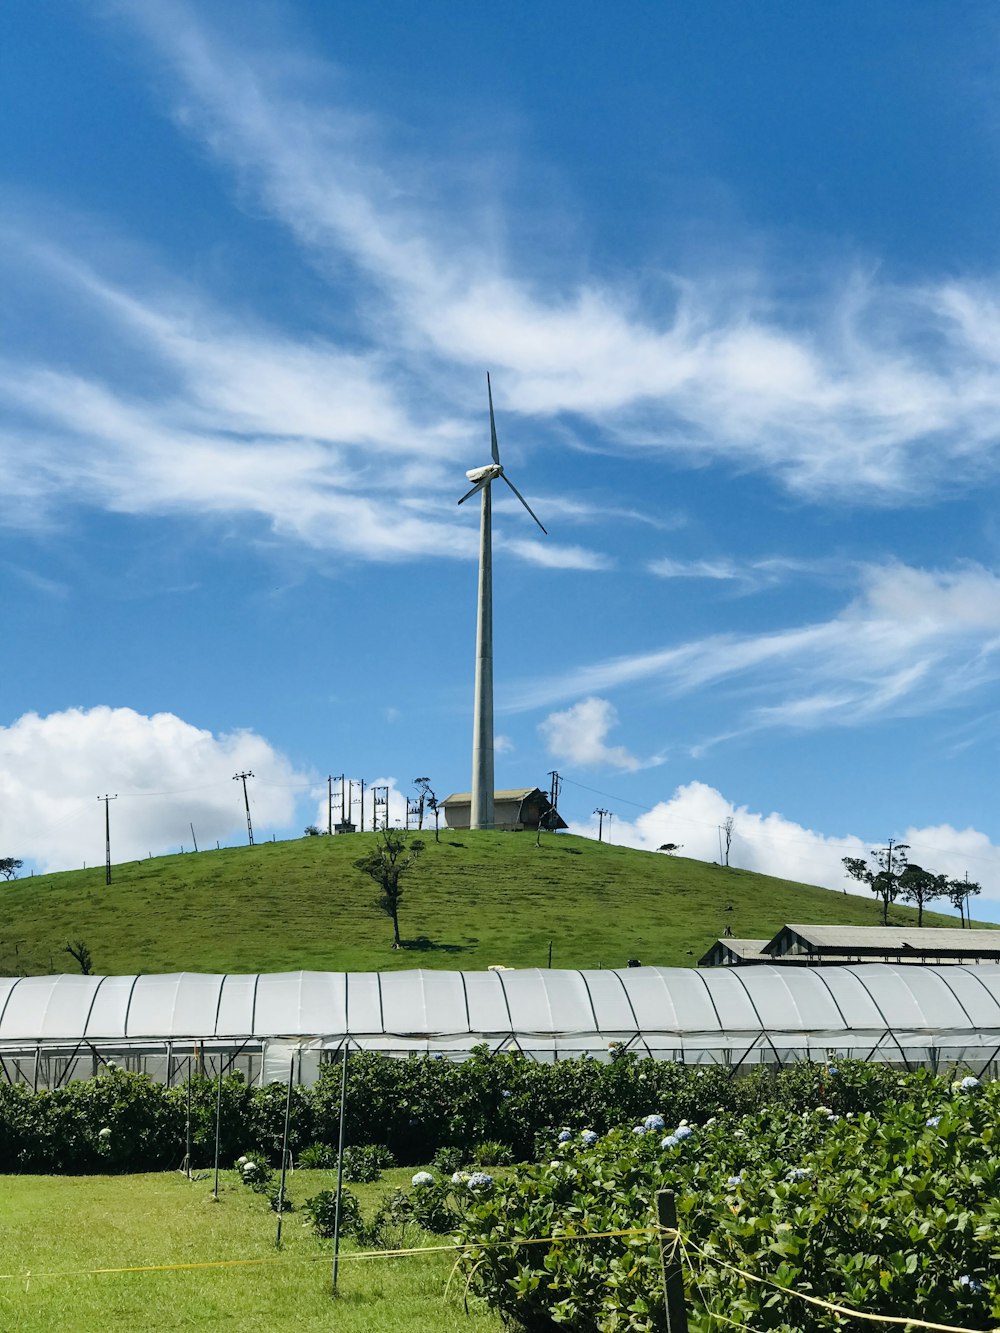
(959, 892)
(81, 953)
(9, 866)
(920, 886)
(430, 801)
(728, 824)
(883, 879)
(312, 830)
(387, 863)
(670, 847)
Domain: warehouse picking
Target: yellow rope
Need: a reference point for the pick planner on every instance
(684, 1242)
(908, 1321)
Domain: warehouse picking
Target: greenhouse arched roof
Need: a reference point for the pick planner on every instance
(673, 1013)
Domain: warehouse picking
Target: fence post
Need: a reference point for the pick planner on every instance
(670, 1263)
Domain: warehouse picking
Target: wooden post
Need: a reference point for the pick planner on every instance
(670, 1263)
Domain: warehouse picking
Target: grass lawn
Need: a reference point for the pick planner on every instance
(55, 1228)
(472, 899)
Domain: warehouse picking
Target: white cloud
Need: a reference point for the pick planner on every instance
(910, 641)
(774, 845)
(167, 775)
(578, 736)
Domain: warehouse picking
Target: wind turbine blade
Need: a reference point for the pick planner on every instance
(493, 424)
(478, 487)
(523, 501)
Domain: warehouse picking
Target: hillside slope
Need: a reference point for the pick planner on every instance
(473, 899)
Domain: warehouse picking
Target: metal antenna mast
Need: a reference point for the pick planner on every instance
(242, 777)
(107, 834)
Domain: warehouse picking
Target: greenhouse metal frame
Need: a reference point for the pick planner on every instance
(57, 1028)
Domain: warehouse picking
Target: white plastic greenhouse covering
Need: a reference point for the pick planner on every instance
(58, 1027)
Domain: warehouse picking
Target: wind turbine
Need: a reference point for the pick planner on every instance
(481, 814)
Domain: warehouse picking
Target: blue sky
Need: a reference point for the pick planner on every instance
(735, 273)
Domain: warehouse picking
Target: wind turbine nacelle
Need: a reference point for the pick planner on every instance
(487, 473)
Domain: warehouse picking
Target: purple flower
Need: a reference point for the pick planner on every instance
(565, 1135)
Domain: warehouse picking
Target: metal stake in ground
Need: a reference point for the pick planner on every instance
(284, 1150)
(670, 1263)
(218, 1123)
(340, 1169)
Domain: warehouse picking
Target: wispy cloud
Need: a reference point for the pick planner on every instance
(872, 394)
(911, 641)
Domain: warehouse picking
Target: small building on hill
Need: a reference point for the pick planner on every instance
(514, 810)
(817, 946)
(729, 952)
(883, 944)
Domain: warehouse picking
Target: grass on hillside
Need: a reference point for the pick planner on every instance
(57, 1228)
(471, 900)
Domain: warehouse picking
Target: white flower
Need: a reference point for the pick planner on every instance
(422, 1178)
(734, 1182)
(241, 1161)
(460, 1177)
(973, 1284)
(799, 1173)
(933, 1122)
(104, 1133)
(968, 1084)
(671, 1141)
(249, 1168)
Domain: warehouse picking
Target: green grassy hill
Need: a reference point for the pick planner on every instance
(472, 899)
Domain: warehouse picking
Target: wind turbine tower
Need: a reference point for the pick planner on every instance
(481, 814)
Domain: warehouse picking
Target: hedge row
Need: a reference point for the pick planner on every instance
(126, 1122)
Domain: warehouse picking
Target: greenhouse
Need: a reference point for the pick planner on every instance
(57, 1028)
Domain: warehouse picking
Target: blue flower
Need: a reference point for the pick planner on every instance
(589, 1137)
(968, 1083)
(832, 1070)
(799, 1173)
(565, 1135)
(422, 1178)
(506, 1093)
(479, 1180)
(972, 1284)
(683, 1132)
(734, 1182)
(639, 1129)
(671, 1141)
(654, 1122)
(933, 1122)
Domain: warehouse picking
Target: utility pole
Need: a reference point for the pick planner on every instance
(329, 805)
(554, 789)
(600, 813)
(242, 777)
(107, 833)
(362, 803)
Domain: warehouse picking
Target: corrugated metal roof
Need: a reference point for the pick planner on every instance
(893, 939)
(513, 794)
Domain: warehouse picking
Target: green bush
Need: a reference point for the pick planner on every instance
(365, 1162)
(894, 1212)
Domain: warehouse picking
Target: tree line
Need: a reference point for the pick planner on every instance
(893, 876)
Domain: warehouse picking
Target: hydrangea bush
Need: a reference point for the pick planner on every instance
(880, 1211)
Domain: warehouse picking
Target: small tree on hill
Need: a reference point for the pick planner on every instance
(920, 886)
(81, 953)
(959, 891)
(9, 866)
(387, 862)
(883, 881)
(429, 801)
